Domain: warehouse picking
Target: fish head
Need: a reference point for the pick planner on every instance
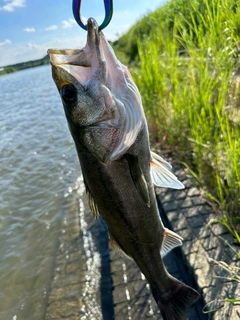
(78, 79)
(99, 96)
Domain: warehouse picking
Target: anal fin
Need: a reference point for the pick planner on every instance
(114, 245)
(113, 242)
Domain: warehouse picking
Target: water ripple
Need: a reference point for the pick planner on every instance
(34, 178)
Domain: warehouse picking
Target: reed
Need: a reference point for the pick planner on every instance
(189, 81)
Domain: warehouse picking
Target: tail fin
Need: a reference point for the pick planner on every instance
(174, 304)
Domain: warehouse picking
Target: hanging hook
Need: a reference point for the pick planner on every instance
(108, 4)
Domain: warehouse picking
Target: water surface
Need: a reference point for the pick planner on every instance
(38, 167)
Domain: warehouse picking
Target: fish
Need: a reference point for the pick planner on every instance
(104, 111)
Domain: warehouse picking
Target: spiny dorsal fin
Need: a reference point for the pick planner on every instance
(91, 202)
(171, 240)
(161, 174)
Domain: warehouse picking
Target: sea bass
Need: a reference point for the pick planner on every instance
(106, 119)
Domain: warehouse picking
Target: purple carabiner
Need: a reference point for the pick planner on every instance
(108, 4)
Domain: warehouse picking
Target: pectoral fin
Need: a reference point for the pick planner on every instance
(138, 178)
(171, 240)
(161, 173)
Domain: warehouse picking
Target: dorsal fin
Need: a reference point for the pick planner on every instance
(161, 174)
(171, 240)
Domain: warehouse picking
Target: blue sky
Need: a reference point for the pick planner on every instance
(29, 27)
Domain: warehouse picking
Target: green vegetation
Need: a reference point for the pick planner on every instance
(24, 65)
(184, 59)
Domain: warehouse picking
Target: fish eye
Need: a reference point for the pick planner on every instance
(69, 93)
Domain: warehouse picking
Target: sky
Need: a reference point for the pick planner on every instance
(28, 28)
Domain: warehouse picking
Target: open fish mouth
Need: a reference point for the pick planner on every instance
(77, 56)
(83, 64)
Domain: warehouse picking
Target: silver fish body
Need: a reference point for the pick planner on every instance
(106, 119)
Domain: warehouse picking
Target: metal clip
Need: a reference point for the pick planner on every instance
(108, 4)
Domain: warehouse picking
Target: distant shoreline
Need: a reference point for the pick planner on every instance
(24, 65)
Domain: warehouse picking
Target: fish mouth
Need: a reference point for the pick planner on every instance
(77, 57)
(81, 64)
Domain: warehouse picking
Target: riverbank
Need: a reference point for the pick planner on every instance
(120, 290)
(24, 65)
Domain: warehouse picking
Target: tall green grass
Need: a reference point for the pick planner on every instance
(189, 80)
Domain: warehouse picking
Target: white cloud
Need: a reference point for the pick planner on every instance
(12, 5)
(5, 42)
(68, 23)
(51, 28)
(29, 29)
(32, 46)
(25, 52)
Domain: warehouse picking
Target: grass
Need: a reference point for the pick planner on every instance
(189, 78)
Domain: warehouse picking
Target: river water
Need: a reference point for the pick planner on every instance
(38, 168)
